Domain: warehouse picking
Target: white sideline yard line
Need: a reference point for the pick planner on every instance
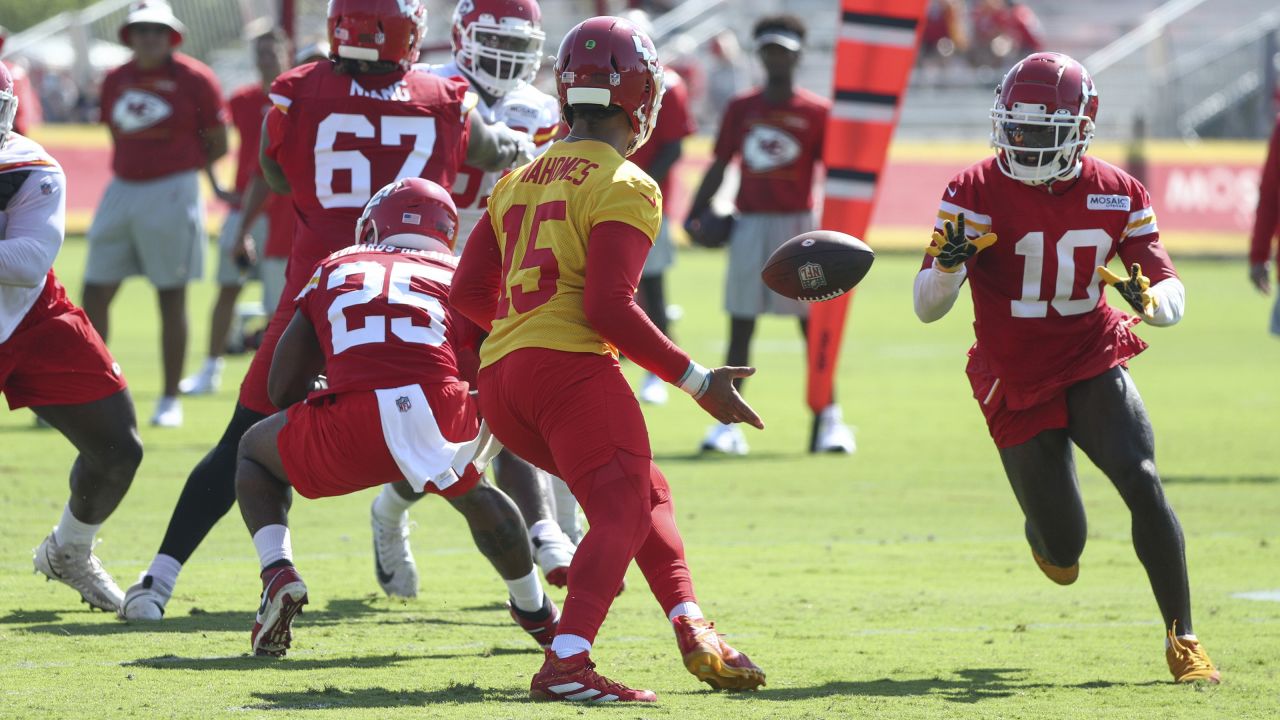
(1265, 595)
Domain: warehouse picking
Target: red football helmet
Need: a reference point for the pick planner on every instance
(376, 30)
(498, 43)
(608, 61)
(410, 213)
(8, 103)
(1043, 118)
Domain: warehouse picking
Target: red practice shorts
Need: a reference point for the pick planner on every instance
(333, 444)
(568, 413)
(55, 357)
(1009, 426)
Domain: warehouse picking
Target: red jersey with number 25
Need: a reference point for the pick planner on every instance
(383, 318)
(1040, 314)
(339, 138)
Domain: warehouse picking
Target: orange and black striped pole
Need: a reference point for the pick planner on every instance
(874, 56)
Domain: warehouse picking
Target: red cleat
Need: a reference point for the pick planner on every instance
(541, 624)
(283, 595)
(710, 658)
(575, 679)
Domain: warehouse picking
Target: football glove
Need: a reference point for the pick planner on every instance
(1135, 289)
(951, 249)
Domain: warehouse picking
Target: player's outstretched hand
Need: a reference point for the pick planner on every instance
(1135, 289)
(722, 401)
(951, 248)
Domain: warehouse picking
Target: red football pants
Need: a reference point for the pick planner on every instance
(573, 415)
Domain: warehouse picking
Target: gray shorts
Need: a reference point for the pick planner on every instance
(755, 237)
(153, 228)
(663, 253)
(1275, 315)
(229, 273)
(271, 273)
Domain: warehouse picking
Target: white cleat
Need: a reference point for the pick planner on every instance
(553, 552)
(725, 439)
(833, 435)
(77, 567)
(205, 382)
(393, 560)
(168, 413)
(653, 391)
(145, 600)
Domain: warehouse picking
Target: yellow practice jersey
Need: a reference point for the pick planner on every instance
(542, 215)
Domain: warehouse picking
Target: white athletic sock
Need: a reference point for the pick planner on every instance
(164, 571)
(272, 542)
(569, 645)
(213, 364)
(544, 527)
(71, 531)
(686, 608)
(390, 508)
(526, 592)
(1190, 637)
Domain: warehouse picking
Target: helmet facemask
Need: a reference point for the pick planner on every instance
(8, 112)
(1037, 147)
(499, 56)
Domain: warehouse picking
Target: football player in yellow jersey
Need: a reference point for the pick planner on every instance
(552, 272)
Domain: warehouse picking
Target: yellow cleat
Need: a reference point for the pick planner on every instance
(711, 659)
(1060, 575)
(1188, 661)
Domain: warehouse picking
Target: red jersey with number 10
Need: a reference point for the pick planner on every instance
(339, 138)
(1040, 315)
(383, 319)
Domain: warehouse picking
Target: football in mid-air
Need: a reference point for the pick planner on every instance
(817, 266)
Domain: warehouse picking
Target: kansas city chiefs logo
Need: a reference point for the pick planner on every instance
(138, 110)
(768, 148)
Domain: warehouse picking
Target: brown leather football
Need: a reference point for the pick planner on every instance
(817, 266)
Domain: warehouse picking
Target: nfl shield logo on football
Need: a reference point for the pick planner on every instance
(403, 404)
(812, 277)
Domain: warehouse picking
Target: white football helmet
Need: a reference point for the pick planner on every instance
(498, 43)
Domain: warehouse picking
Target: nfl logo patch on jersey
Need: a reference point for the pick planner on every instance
(811, 276)
(403, 404)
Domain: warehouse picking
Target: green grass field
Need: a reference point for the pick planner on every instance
(891, 584)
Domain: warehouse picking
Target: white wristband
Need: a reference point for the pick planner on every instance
(695, 380)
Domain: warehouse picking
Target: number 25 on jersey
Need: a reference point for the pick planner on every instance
(397, 291)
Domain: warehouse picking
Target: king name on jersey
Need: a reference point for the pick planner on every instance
(399, 92)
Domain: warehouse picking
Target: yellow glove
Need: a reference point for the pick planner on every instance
(953, 249)
(1135, 289)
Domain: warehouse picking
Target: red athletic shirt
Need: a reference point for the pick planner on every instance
(248, 106)
(1267, 222)
(675, 123)
(780, 146)
(382, 316)
(616, 253)
(1040, 315)
(157, 116)
(339, 138)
